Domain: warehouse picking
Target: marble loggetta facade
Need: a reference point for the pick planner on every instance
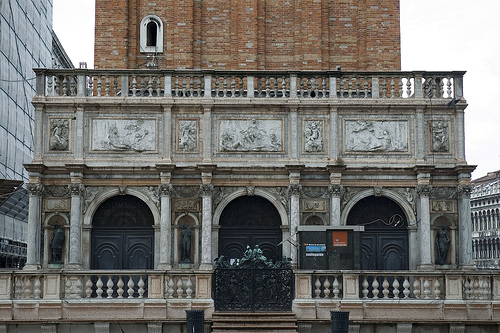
(198, 148)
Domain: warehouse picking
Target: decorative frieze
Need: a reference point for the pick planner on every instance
(250, 135)
(124, 135)
(440, 141)
(187, 135)
(186, 191)
(313, 136)
(59, 134)
(376, 136)
(57, 191)
(314, 191)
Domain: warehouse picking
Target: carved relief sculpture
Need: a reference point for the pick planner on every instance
(250, 135)
(187, 142)
(313, 136)
(376, 136)
(124, 135)
(439, 136)
(59, 134)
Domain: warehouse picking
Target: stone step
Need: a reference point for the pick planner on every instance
(253, 322)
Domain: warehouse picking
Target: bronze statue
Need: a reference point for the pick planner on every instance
(186, 244)
(56, 244)
(442, 244)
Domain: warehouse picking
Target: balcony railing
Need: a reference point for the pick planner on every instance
(401, 285)
(249, 84)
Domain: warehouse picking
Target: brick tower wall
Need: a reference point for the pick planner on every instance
(253, 34)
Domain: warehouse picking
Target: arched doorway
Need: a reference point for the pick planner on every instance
(122, 234)
(250, 220)
(385, 239)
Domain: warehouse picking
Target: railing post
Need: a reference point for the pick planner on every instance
(333, 87)
(418, 85)
(40, 82)
(168, 85)
(250, 86)
(375, 87)
(458, 85)
(125, 85)
(208, 85)
(453, 287)
(6, 286)
(350, 283)
(81, 84)
(293, 85)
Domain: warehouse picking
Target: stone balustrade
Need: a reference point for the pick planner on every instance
(402, 285)
(248, 84)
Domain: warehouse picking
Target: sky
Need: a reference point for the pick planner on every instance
(436, 35)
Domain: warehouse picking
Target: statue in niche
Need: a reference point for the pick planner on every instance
(187, 136)
(186, 244)
(314, 137)
(56, 244)
(442, 244)
(440, 142)
(59, 133)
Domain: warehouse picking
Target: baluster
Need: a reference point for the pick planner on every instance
(37, 286)
(158, 85)
(224, 86)
(385, 288)
(365, 286)
(441, 87)
(349, 87)
(468, 288)
(217, 84)
(141, 285)
(50, 87)
(109, 285)
(406, 288)
(317, 285)
(72, 85)
(99, 286)
(301, 86)
(134, 85)
(283, 87)
(67, 287)
(170, 291)
(384, 87)
(335, 285)
(198, 86)
(99, 85)
(233, 86)
(393, 89)
(106, 85)
(19, 287)
(357, 85)
(65, 85)
(427, 289)
(448, 87)
(88, 291)
(326, 287)
(184, 86)
(375, 286)
(437, 290)
(268, 87)
(475, 288)
(120, 285)
(78, 286)
(189, 291)
(324, 88)
(395, 288)
(115, 85)
(179, 290)
(130, 285)
(408, 86)
(150, 86)
(365, 86)
(341, 90)
(275, 87)
(27, 287)
(400, 87)
(484, 288)
(416, 288)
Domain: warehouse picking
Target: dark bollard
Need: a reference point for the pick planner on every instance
(340, 321)
(195, 320)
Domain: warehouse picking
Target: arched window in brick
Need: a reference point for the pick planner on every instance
(151, 34)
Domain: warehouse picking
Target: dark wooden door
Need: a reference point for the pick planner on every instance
(250, 220)
(384, 250)
(122, 249)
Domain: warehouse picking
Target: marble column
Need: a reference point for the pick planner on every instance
(335, 191)
(75, 228)
(166, 191)
(424, 227)
(34, 226)
(206, 192)
(465, 260)
(294, 192)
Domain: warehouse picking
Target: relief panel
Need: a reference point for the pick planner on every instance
(124, 135)
(250, 135)
(314, 136)
(59, 131)
(377, 136)
(187, 136)
(439, 136)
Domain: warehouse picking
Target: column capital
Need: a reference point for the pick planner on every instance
(464, 191)
(424, 190)
(295, 189)
(76, 189)
(206, 190)
(35, 189)
(335, 190)
(166, 190)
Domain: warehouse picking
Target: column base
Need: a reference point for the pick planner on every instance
(74, 266)
(31, 267)
(164, 267)
(425, 267)
(467, 267)
(206, 267)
